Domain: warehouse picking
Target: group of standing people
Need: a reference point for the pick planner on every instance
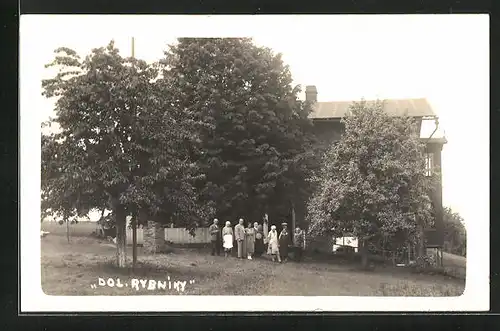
(251, 242)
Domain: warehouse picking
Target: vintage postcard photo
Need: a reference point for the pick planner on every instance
(254, 163)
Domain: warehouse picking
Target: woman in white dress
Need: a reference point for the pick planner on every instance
(273, 244)
(227, 238)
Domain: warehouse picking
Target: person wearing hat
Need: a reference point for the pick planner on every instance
(250, 240)
(284, 240)
(239, 234)
(298, 243)
(273, 244)
(215, 236)
(259, 239)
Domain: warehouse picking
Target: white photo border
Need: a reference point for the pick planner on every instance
(475, 297)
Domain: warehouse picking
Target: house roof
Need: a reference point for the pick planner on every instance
(394, 107)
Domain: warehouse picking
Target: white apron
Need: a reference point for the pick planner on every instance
(228, 241)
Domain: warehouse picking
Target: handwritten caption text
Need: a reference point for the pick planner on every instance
(145, 284)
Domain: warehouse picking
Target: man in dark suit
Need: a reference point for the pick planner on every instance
(215, 233)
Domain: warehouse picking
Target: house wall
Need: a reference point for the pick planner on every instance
(328, 132)
(437, 238)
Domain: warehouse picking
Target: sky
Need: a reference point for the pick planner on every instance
(442, 58)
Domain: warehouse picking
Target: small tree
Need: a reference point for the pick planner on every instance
(373, 181)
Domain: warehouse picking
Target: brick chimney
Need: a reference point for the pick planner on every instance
(311, 93)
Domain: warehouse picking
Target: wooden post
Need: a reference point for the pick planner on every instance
(265, 228)
(364, 253)
(134, 217)
(133, 47)
(134, 241)
(293, 217)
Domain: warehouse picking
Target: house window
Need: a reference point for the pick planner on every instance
(429, 163)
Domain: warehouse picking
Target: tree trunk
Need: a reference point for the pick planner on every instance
(421, 241)
(134, 242)
(265, 228)
(121, 236)
(364, 254)
(293, 217)
(67, 229)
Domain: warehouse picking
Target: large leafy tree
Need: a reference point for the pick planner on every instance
(119, 145)
(254, 132)
(373, 181)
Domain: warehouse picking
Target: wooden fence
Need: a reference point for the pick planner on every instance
(175, 235)
(181, 236)
(140, 236)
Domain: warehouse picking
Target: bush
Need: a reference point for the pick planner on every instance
(427, 265)
(455, 234)
(345, 250)
(426, 261)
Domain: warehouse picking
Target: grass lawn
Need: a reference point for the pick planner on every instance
(454, 264)
(72, 269)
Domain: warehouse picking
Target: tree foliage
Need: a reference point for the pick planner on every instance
(119, 145)
(255, 135)
(372, 182)
(455, 235)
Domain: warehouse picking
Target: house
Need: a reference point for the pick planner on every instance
(327, 117)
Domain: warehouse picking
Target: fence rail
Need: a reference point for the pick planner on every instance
(181, 236)
(140, 237)
(175, 235)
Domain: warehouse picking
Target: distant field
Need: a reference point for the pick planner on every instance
(76, 230)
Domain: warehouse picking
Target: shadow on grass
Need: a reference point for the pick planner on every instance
(151, 269)
(405, 289)
(351, 262)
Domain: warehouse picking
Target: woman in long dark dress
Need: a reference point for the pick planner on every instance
(259, 239)
(284, 242)
(250, 241)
